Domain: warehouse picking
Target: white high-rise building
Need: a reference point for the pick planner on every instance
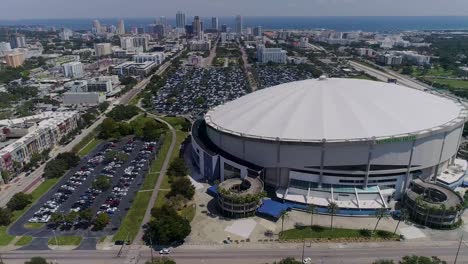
(65, 34)
(102, 49)
(126, 43)
(304, 42)
(239, 24)
(276, 55)
(73, 69)
(120, 27)
(180, 20)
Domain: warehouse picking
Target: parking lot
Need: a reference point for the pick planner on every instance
(124, 163)
(190, 91)
(268, 76)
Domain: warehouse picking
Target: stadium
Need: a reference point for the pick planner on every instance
(356, 143)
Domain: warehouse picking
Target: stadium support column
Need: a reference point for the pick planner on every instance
(278, 160)
(434, 178)
(369, 160)
(322, 161)
(408, 170)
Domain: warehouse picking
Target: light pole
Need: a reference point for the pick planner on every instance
(458, 250)
(303, 247)
(55, 237)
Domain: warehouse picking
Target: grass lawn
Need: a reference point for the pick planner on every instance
(135, 99)
(453, 83)
(34, 225)
(132, 221)
(180, 137)
(65, 241)
(439, 71)
(175, 121)
(24, 240)
(320, 232)
(5, 239)
(91, 136)
(188, 212)
(161, 199)
(89, 147)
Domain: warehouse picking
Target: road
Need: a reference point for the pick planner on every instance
(327, 253)
(385, 75)
(208, 62)
(247, 69)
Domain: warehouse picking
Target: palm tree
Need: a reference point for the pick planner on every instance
(403, 216)
(332, 209)
(312, 209)
(284, 215)
(379, 214)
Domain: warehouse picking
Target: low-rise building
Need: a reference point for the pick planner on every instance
(96, 85)
(33, 134)
(103, 49)
(389, 59)
(199, 45)
(133, 68)
(84, 98)
(156, 57)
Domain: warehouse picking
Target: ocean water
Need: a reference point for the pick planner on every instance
(369, 23)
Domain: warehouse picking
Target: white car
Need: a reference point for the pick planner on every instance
(307, 261)
(164, 251)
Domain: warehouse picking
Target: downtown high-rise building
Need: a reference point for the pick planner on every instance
(257, 31)
(180, 20)
(224, 28)
(238, 25)
(17, 41)
(197, 27)
(214, 23)
(120, 27)
(97, 28)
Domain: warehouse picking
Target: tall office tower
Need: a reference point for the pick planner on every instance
(65, 34)
(180, 20)
(239, 24)
(257, 31)
(121, 27)
(17, 41)
(224, 28)
(197, 27)
(97, 28)
(214, 23)
(163, 21)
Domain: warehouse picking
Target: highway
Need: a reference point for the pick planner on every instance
(328, 253)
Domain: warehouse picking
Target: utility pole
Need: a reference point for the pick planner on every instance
(303, 247)
(151, 248)
(458, 250)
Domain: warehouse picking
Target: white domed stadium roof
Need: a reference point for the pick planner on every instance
(335, 109)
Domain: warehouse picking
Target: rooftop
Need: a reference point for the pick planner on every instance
(335, 109)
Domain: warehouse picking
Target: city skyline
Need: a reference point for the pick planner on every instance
(30, 9)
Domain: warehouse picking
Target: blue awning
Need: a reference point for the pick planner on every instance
(213, 190)
(273, 208)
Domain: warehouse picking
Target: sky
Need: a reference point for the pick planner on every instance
(32, 9)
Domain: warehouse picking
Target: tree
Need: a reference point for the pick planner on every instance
(182, 186)
(56, 218)
(379, 214)
(5, 216)
(115, 155)
(70, 158)
(35, 159)
(407, 70)
(70, 218)
(109, 129)
(421, 260)
(403, 216)
(103, 106)
(123, 112)
(19, 201)
(102, 183)
(163, 260)
(383, 261)
(177, 168)
(288, 260)
(37, 260)
(284, 215)
(86, 215)
(152, 130)
(101, 221)
(166, 228)
(332, 210)
(55, 168)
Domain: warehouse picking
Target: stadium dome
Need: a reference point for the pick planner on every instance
(334, 109)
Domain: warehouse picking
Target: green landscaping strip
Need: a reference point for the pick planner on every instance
(34, 225)
(24, 240)
(65, 241)
(188, 212)
(132, 221)
(5, 238)
(91, 136)
(89, 147)
(319, 232)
